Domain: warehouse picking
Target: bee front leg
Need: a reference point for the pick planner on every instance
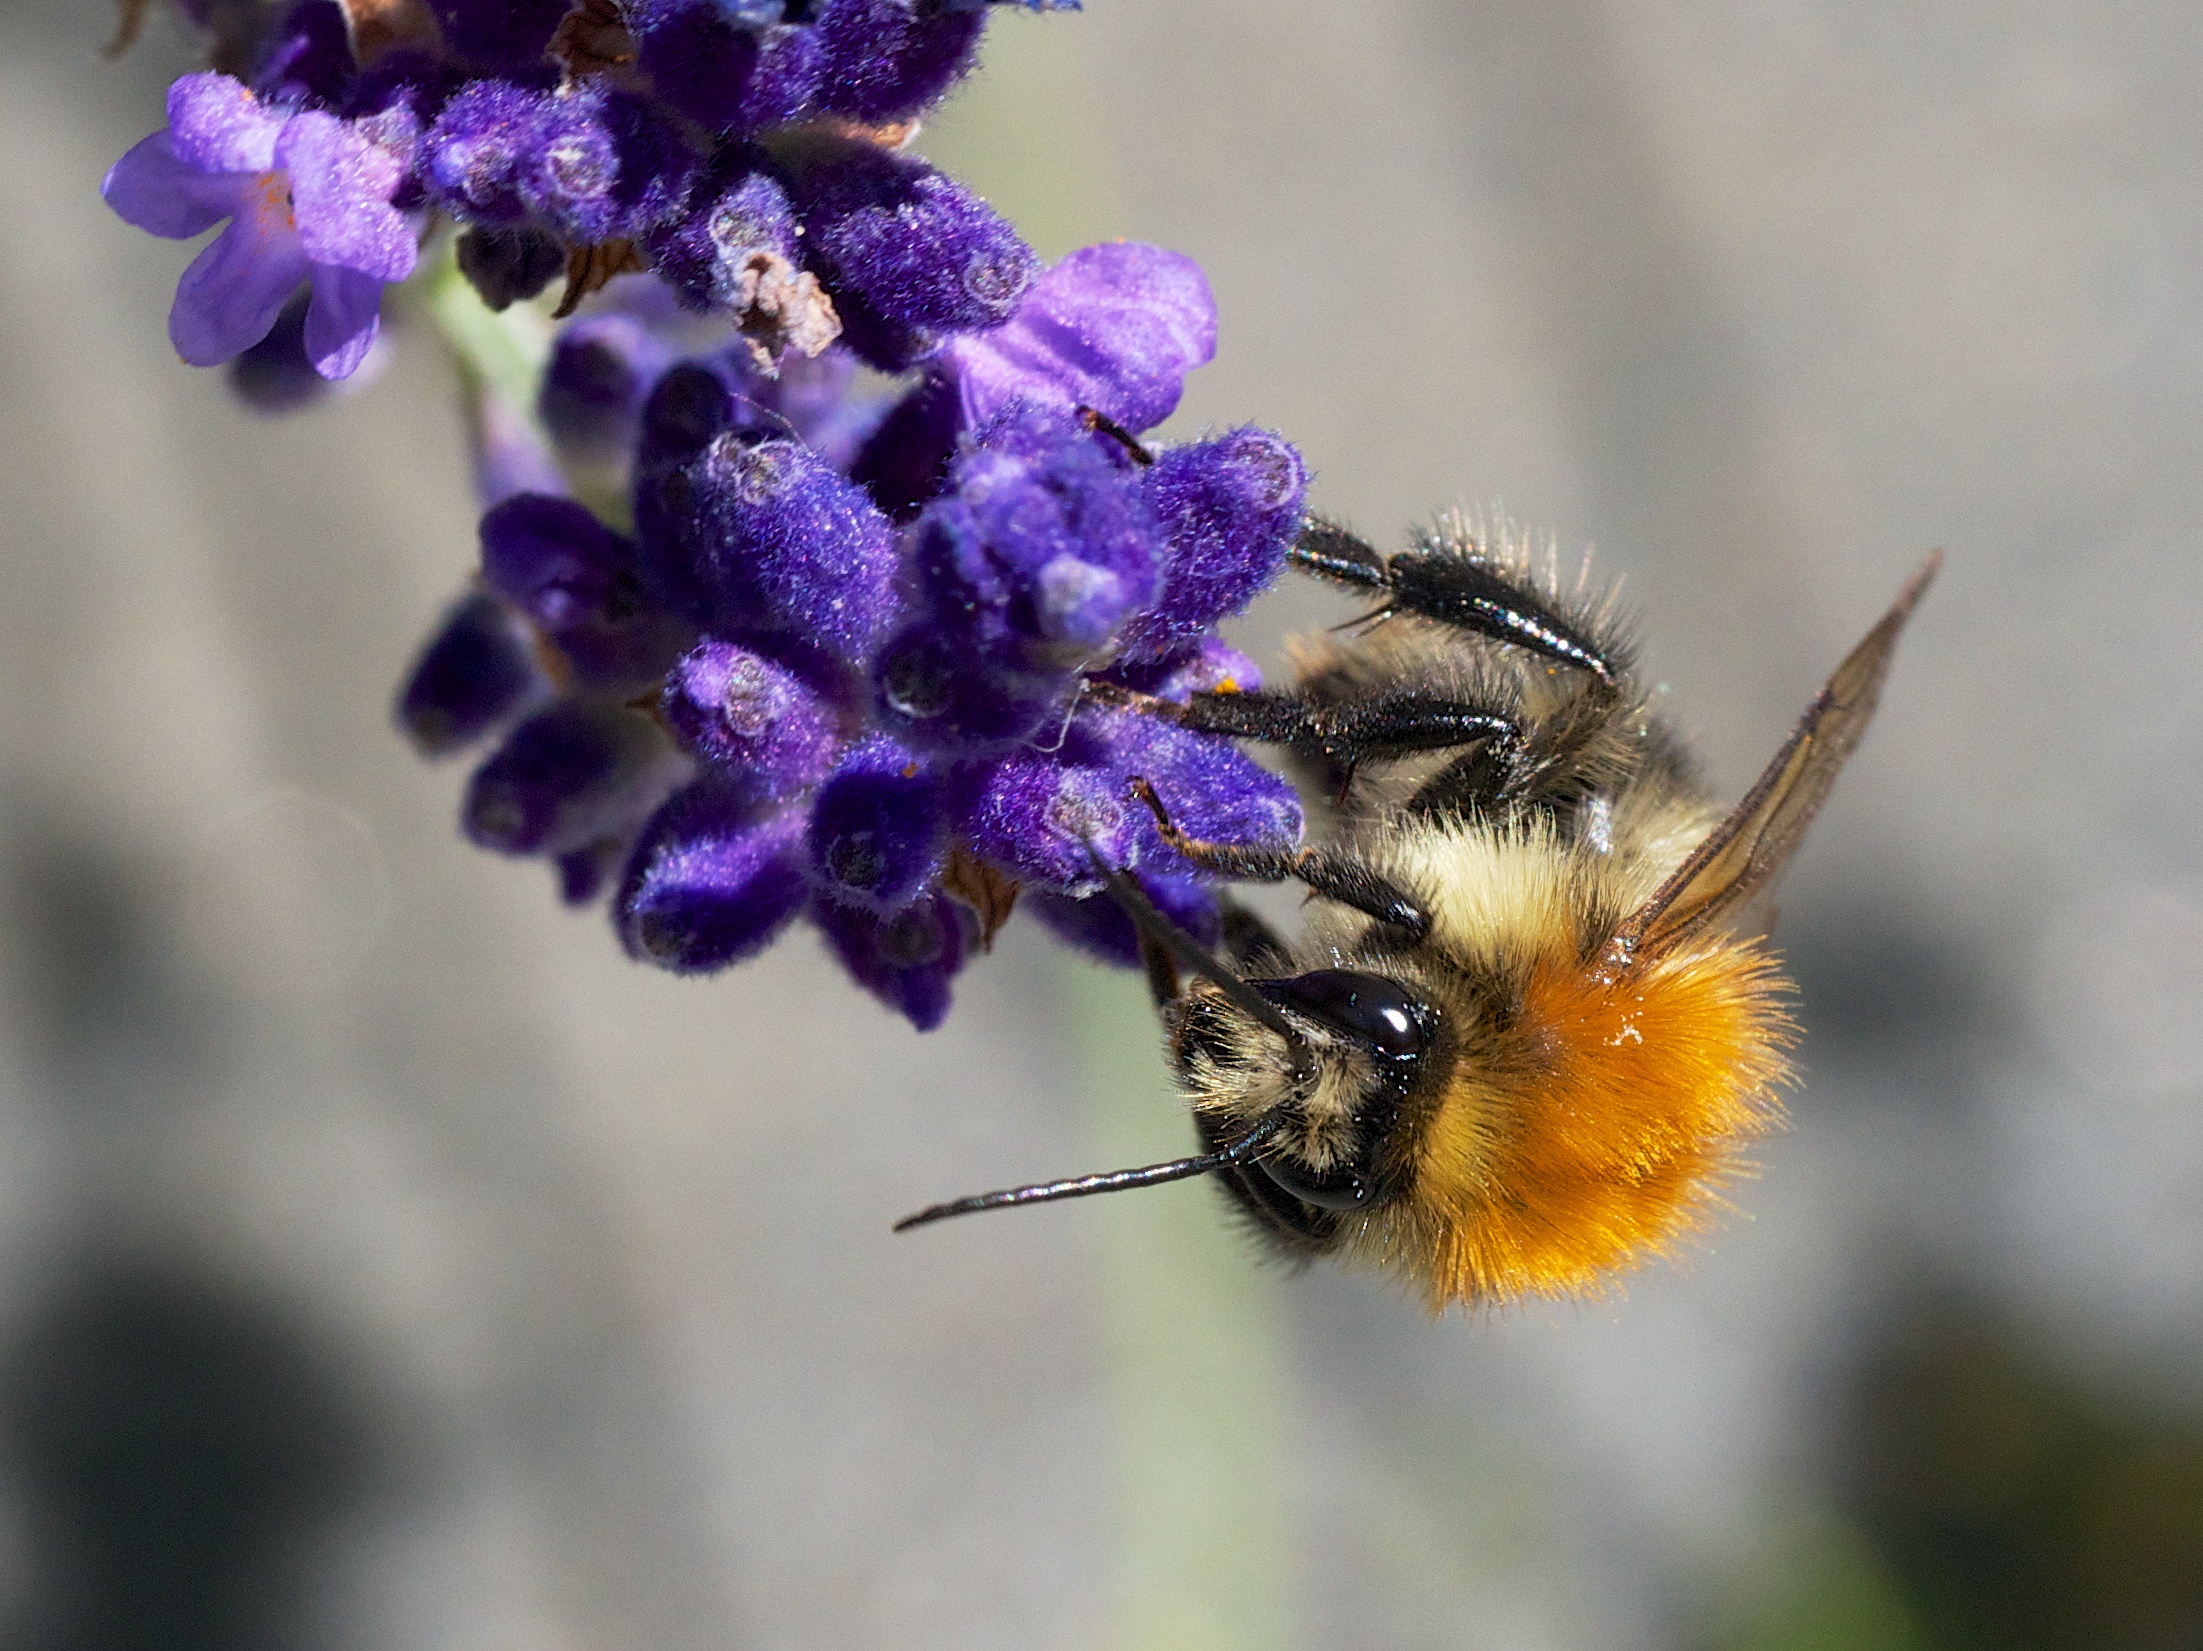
(1339, 877)
(1461, 591)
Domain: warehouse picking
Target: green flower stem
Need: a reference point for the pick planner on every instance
(1197, 1367)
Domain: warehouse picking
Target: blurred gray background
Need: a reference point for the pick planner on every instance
(386, 1262)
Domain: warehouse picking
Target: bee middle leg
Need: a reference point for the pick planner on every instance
(1341, 877)
(1341, 733)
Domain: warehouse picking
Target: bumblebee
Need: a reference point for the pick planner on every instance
(1532, 1022)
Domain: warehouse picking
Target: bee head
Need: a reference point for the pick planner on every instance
(1300, 1084)
(1339, 1109)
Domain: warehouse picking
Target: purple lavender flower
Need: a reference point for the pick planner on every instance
(878, 694)
(578, 582)
(877, 834)
(751, 642)
(308, 197)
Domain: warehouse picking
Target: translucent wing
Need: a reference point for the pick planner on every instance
(1748, 850)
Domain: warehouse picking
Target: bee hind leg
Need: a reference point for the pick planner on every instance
(1338, 877)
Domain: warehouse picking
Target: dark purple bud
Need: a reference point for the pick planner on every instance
(601, 369)
(1035, 814)
(772, 536)
(711, 881)
(1046, 535)
(686, 408)
(583, 873)
(477, 670)
(729, 65)
(274, 376)
(1115, 328)
(605, 166)
(907, 960)
(876, 830)
(392, 101)
(773, 735)
(571, 774)
(909, 254)
(472, 158)
(500, 36)
(509, 266)
(307, 62)
(881, 60)
(938, 691)
(734, 213)
(904, 462)
(691, 406)
(1229, 509)
(1098, 926)
(578, 581)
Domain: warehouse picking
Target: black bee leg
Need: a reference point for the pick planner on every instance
(1162, 973)
(1334, 876)
(1103, 425)
(1349, 732)
(1454, 590)
(1342, 734)
(1249, 945)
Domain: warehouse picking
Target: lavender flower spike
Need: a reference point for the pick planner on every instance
(308, 197)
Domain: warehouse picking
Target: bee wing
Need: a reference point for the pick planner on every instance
(1747, 851)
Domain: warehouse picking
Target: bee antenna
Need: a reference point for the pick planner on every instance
(1122, 1180)
(1200, 960)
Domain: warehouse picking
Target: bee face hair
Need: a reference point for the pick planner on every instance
(1530, 1028)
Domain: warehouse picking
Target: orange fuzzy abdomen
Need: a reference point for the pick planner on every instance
(1603, 1135)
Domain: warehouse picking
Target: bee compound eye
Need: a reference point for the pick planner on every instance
(1371, 1009)
(1337, 1189)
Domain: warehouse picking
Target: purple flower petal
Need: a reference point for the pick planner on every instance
(770, 732)
(711, 882)
(342, 184)
(341, 325)
(151, 188)
(876, 830)
(476, 671)
(1113, 327)
(1035, 813)
(217, 125)
(1229, 507)
(1097, 925)
(906, 961)
(234, 290)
